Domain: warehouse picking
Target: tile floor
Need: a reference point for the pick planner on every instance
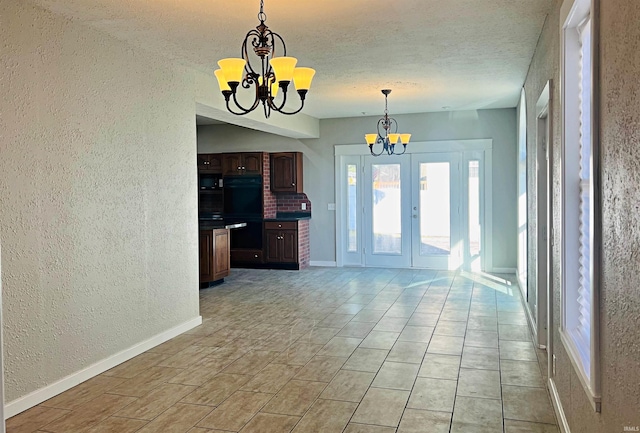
(326, 350)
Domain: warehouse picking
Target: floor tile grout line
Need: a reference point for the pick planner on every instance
(423, 357)
(455, 396)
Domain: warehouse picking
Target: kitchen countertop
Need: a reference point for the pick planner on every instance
(212, 225)
(291, 216)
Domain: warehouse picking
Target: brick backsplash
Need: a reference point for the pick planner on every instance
(292, 202)
(304, 251)
(269, 199)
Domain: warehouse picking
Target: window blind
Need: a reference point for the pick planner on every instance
(582, 331)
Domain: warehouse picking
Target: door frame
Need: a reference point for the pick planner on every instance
(540, 319)
(348, 153)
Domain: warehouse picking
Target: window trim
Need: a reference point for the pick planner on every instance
(572, 13)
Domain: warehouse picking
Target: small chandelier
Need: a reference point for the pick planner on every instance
(274, 73)
(389, 138)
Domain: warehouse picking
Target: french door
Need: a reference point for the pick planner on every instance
(436, 211)
(387, 228)
(422, 210)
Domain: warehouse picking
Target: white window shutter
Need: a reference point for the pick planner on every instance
(582, 331)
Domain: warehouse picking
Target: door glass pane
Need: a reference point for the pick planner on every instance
(352, 208)
(386, 199)
(474, 208)
(435, 209)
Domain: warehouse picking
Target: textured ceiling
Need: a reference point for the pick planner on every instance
(434, 54)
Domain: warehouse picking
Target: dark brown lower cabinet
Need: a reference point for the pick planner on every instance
(214, 255)
(281, 242)
(246, 257)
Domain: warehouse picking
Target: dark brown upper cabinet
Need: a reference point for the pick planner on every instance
(286, 172)
(210, 162)
(248, 163)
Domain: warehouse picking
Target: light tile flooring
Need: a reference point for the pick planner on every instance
(326, 350)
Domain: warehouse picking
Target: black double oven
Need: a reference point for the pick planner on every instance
(242, 202)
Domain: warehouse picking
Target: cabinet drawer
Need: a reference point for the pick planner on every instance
(276, 225)
(246, 256)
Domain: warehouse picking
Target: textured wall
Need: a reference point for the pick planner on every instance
(544, 67)
(98, 207)
(620, 159)
(319, 162)
(620, 172)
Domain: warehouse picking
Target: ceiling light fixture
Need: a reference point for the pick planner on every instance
(390, 138)
(274, 73)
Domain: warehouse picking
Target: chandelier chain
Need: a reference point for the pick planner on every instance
(386, 109)
(262, 16)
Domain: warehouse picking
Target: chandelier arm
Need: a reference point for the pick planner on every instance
(284, 46)
(404, 149)
(237, 113)
(373, 153)
(381, 141)
(282, 104)
(294, 112)
(244, 110)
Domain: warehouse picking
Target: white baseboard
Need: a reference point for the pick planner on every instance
(557, 406)
(323, 264)
(36, 397)
(504, 270)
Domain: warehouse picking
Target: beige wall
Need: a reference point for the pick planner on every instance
(620, 177)
(98, 206)
(319, 164)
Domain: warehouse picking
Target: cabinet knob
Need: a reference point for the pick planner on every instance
(244, 168)
(293, 184)
(239, 168)
(280, 225)
(255, 256)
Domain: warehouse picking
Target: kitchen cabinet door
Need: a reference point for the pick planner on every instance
(214, 255)
(272, 246)
(210, 162)
(289, 246)
(286, 172)
(231, 164)
(222, 260)
(252, 163)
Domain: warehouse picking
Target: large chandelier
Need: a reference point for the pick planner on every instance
(273, 73)
(389, 136)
